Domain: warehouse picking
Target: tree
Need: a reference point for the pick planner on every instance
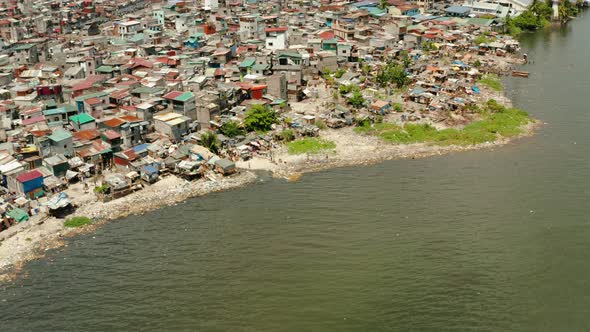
(231, 129)
(383, 4)
(210, 141)
(260, 118)
(393, 73)
(366, 69)
(340, 72)
(357, 100)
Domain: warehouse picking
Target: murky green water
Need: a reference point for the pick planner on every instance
(486, 240)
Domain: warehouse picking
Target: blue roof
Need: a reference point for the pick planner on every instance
(141, 147)
(458, 10)
(366, 3)
(149, 169)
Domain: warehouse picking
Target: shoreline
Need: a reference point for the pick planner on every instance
(29, 241)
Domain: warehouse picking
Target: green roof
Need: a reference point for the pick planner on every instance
(18, 214)
(82, 118)
(24, 47)
(247, 63)
(264, 66)
(480, 21)
(136, 38)
(60, 135)
(54, 111)
(148, 90)
(290, 55)
(91, 95)
(50, 103)
(55, 124)
(185, 96)
(376, 11)
(105, 69)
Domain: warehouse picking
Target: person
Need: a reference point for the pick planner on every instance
(85, 187)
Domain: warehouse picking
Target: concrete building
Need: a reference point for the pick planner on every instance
(26, 54)
(172, 124)
(211, 4)
(276, 38)
(251, 27)
(277, 86)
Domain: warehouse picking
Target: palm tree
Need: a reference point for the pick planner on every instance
(210, 141)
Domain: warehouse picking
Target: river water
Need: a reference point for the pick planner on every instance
(485, 240)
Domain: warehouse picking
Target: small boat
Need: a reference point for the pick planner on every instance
(518, 73)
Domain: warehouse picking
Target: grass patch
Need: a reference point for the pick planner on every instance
(310, 145)
(506, 123)
(77, 222)
(492, 81)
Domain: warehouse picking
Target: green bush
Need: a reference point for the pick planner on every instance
(287, 135)
(101, 189)
(310, 145)
(231, 129)
(77, 222)
(357, 100)
(345, 89)
(321, 124)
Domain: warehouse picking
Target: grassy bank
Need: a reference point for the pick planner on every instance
(75, 222)
(492, 81)
(310, 145)
(506, 122)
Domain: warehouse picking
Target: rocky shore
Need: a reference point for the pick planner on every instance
(31, 239)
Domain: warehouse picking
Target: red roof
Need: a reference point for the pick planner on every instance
(130, 154)
(326, 35)
(130, 118)
(33, 120)
(86, 135)
(93, 101)
(111, 134)
(138, 62)
(40, 133)
(130, 108)
(120, 94)
(279, 29)
(172, 95)
(114, 122)
(28, 176)
(258, 87)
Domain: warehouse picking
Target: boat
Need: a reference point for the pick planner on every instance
(518, 73)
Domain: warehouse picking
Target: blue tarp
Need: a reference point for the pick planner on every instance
(475, 89)
(459, 63)
(149, 170)
(141, 147)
